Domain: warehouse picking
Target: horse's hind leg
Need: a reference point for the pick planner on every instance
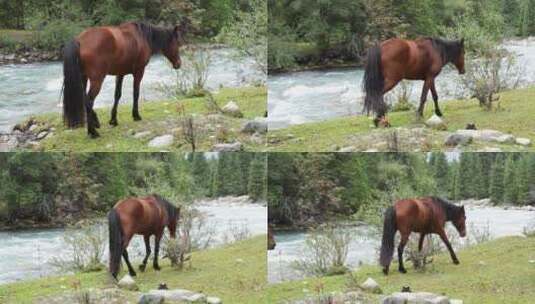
(137, 83)
(157, 240)
(118, 92)
(146, 238)
(381, 119)
(131, 270)
(92, 119)
(421, 242)
(402, 243)
(444, 238)
(435, 98)
(423, 98)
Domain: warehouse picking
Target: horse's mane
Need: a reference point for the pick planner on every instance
(449, 50)
(451, 210)
(157, 37)
(172, 211)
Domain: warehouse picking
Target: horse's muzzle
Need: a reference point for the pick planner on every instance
(177, 65)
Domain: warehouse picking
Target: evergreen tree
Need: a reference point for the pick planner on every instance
(510, 194)
(257, 184)
(496, 190)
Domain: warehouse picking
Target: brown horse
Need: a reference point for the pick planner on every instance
(426, 215)
(397, 59)
(112, 50)
(145, 216)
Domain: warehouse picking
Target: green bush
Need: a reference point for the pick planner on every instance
(56, 33)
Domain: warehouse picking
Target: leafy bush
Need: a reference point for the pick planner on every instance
(56, 33)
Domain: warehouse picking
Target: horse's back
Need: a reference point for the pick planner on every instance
(415, 214)
(140, 215)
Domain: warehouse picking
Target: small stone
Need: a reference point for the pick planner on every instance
(232, 109)
(42, 135)
(347, 149)
(456, 301)
(234, 147)
(213, 300)
(259, 125)
(436, 123)
(371, 286)
(128, 283)
(161, 141)
(455, 139)
(143, 134)
(526, 142)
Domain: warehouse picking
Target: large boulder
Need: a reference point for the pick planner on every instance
(161, 141)
(488, 136)
(455, 139)
(371, 286)
(151, 299)
(128, 283)
(526, 142)
(233, 147)
(415, 298)
(232, 109)
(436, 123)
(179, 295)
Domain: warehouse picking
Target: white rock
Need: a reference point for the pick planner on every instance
(234, 147)
(127, 282)
(213, 300)
(347, 149)
(180, 295)
(143, 134)
(436, 122)
(162, 141)
(415, 297)
(523, 141)
(456, 301)
(371, 286)
(232, 109)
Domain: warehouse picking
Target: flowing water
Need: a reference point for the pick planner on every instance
(27, 254)
(27, 89)
(301, 97)
(365, 242)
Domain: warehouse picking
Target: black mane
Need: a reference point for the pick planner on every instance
(449, 50)
(172, 211)
(451, 210)
(157, 38)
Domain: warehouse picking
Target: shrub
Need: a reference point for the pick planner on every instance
(326, 249)
(56, 33)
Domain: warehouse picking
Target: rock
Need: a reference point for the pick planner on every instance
(371, 286)
(24, 60)
(415, 297)
(151, 299)
(491, 149)
(455, 139)
(10, 57)
(488, 135)
(161, 141)
(179, 295)
(232, 109)
(347, 149)
(436, 123)
(32, 127)
(142, 134)
(42, 135)
(234, 147)
(259, 125)
(128, 283)
(213, 300)
(526, 142)
(456, 301)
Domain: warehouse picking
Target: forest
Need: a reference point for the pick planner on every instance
(306, 189)
(54, 21)
(51, 187)
(311, 32)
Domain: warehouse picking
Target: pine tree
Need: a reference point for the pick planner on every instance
(522, 180)
(440, 171)
(510, 194)
(496, 187)
(466, 184)
(257, 185)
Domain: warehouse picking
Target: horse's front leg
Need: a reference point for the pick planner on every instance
(92, 119)
(435, 98)
(146, 238)
(137, 83)
(421, 242)
(444, 238)
(118, 92)
(423, 98)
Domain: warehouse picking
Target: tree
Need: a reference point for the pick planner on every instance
(496, 190)
(510, 194)
(257, 184)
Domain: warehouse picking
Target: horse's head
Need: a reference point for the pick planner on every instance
(460, 221)
(459, 61)
(172, 50)
(173, 220)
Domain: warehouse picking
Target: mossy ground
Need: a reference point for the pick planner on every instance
(498, 271)
(161, 118)
(236, 273)
(515, 116)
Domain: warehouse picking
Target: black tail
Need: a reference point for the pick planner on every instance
(116, 241)
(387, 245)
(373, 84)
(73, 86)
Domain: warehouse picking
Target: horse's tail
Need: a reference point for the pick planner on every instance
(73, 87)
(373, 83)
(387, 244)
(116, 241)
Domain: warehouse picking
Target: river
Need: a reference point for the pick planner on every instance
(28, 89)
(27, 254)
(365, 243)
(311, 96)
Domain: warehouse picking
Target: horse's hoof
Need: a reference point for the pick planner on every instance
(142, 267)
(456, 262)
(113, 123)
(385, 271)
(133, 274)
(137, 118)
(156, 267)
(402, 270)
(439, 114)
(93, 134)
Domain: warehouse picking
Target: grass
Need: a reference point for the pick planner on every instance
(159, 118)
(497, 271)
(515, 116)
(235, 273)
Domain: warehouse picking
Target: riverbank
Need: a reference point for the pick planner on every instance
(357, 133)
(234, 273)
(498, 271)
(162, 127)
